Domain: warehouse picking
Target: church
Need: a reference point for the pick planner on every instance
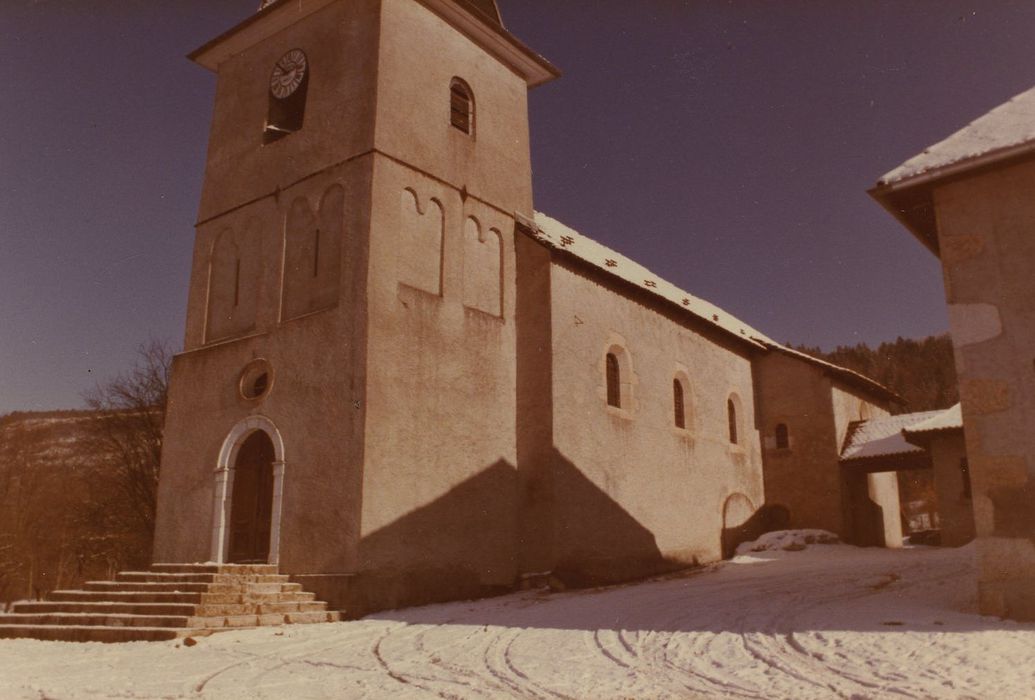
(400, 383)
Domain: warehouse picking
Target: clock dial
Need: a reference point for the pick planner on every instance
(288, 74)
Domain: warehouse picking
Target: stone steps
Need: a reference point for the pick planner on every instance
(175, 609)
(106, 608)
(209, 577)
(79, 619)
(169, 601)
(191, 587)
(66, 633)
(235, 569)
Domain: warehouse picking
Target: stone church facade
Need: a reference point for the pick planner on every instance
(401, 384)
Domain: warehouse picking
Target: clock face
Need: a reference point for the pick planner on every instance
(288, 74)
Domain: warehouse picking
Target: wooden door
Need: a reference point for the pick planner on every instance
(251, 508)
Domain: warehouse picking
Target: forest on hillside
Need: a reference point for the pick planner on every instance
(920, 371)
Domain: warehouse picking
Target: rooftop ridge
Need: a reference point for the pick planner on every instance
(552, 233)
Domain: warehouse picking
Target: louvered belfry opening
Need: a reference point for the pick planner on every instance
(461, 106)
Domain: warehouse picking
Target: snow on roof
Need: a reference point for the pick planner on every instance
(1004, 128)
(848, 375)
(556, 235)
(560, 237)
(882, 437)
(949, 419)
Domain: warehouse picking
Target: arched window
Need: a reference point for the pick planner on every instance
(679, 407)
(233, 284)
(614, 381)
(731, 414)
(461, 106)
(782, 441)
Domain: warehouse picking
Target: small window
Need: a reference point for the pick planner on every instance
(731, 415)
(965, 474)
(679, 407)
(461, 106)
(782, 441)
(614, 381)
(255, 379)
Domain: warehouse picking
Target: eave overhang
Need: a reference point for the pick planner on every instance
(902, 461)
(911, 200)
(504, 46)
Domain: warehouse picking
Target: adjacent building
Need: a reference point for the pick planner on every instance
(968, 199)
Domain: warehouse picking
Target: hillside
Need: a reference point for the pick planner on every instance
(920, 371)
(62, 520)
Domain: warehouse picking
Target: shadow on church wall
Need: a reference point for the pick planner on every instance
(468, 542)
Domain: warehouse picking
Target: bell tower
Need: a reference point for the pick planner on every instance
(353, 285)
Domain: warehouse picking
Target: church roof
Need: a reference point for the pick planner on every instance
(558, 236)
(555, 235)
(882, 437)
(997, 133)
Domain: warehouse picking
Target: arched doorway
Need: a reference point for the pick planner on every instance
(251, 509)
(261, 468)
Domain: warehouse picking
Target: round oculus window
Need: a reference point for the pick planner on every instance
(256, 379)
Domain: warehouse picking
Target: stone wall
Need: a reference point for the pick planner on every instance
(985, 228)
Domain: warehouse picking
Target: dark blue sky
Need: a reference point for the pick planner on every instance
(726, 145)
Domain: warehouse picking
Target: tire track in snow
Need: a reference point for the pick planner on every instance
(498, 660)
(847, 669)
(200, 685)
(598, 645)
(471, 677)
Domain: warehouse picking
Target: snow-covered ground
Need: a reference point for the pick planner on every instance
(826, 621)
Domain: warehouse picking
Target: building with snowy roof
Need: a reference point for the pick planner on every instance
(941, 437)
(400, 383)
(969, 199)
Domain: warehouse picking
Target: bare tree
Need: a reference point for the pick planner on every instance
(128, 433)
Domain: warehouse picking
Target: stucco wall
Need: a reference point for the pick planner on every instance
(440, 488)
(439, 481)
(340, 42)
(420, 55)
(985, 228)
(315, 399)
(882, 489)
(955, 509)
(851, 405)
(805, 477)
(660, 489)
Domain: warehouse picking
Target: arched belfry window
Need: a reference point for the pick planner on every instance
(289, 85)
(614, 381)
(679, 405)
(461, 106)
(731, 415)
(782, 439)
